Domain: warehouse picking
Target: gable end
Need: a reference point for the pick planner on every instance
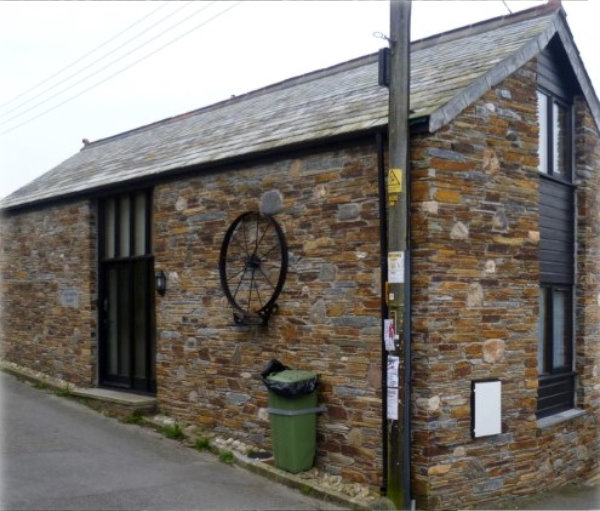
(555, 73)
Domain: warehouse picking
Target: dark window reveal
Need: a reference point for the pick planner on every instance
(557, 248)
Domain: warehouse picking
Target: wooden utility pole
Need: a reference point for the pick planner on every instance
(398, 359)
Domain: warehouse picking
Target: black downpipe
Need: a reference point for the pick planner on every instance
(408, 344)
(384, 309)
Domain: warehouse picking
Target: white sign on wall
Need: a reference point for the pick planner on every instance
(487, 408)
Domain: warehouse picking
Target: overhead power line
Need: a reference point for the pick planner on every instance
(76, 61)
(172, 41)
(95, 72)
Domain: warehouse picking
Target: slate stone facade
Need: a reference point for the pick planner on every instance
(475, 303)
(328, 319)
(48, 275)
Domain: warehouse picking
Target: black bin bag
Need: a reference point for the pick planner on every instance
(287, 389)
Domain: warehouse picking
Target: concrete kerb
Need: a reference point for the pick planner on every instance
(260, 467)
(264, 469)
(116, 403)
(35, 377)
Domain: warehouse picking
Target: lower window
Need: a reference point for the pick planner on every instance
(555, 350)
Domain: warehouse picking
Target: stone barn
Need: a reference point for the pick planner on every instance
(116, 273)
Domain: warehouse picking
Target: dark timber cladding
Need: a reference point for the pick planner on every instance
(556, 232)
(552, 63)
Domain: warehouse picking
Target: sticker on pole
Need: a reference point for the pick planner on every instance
(392, 403)
(393, 371)
(394, 185)
(395, 181)
(396, 267)
(389, 334)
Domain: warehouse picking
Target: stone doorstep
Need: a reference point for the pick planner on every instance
(135, 402)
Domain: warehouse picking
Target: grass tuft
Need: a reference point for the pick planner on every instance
(226, 457)
(203, 444)
(173, 431)
(135, 418)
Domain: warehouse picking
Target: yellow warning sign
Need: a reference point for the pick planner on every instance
(395, 181)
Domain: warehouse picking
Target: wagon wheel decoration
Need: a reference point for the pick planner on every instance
(253, 266)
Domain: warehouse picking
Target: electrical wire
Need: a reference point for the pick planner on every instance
(123, 69)
(94, 73)
(76, 61)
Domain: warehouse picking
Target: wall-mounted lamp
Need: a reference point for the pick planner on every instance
(161, 283)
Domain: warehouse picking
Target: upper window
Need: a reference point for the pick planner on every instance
(554, 149)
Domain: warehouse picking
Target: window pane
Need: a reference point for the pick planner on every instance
(543, 135)
(140, 319)
(124, 311)
(560, 140)
(560, 327)
(124, 227)
(113, 339)
(542, 332)
(109, 228)
(140, 224)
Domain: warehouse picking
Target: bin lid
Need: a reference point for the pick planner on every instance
(292, 376)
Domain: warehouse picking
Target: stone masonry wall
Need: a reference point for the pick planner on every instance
(47, 271)
(329, 311)
(588, 263)
(475, 306)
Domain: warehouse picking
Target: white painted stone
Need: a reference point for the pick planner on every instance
(475, 295)
(320, 192)
(490, 267)
(459, 232)
(431, 404)
(263, 414)
(493, 350)
(431, 207)
(181, 204)
(460, 452)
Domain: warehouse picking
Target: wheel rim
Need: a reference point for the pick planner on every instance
(253, 264)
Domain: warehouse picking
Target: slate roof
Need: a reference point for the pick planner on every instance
(448, 72)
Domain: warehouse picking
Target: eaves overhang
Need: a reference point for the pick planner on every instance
(558, 27)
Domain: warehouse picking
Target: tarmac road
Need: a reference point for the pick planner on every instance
(58, 454)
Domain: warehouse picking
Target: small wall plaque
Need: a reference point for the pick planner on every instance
(69, 298)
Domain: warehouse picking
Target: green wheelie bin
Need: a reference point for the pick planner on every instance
(293, 418)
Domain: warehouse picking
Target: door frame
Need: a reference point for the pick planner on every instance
(126, 263)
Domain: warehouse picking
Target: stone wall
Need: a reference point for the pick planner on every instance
(328, 319)
(475, 305)
(47, 259)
